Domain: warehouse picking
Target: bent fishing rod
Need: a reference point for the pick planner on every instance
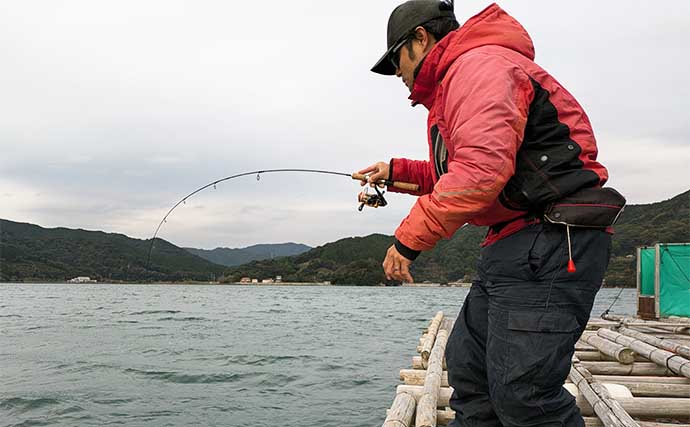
(365, 199)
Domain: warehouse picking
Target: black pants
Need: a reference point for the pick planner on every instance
(510, 350)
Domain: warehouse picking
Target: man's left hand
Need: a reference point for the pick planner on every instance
(396, 266)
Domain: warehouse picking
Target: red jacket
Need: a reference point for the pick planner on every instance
(505, 138)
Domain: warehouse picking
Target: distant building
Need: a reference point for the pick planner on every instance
(82, 279)
(267, 281)
(255, 280)
(279, 279)
(245, 280)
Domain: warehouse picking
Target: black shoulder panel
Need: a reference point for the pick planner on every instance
(547, 165)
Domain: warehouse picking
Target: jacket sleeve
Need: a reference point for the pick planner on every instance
(412, 171)
(484, 105)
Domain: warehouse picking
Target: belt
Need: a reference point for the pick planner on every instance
(496, 228)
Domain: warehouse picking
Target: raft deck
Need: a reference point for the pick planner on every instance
(625, 372)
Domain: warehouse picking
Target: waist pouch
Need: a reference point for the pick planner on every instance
(593, 207)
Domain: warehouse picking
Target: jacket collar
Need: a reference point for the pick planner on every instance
(492, 26)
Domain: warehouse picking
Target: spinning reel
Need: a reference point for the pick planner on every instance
(372, 200)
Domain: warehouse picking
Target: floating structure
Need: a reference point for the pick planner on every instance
(663, 280)
(625, 373)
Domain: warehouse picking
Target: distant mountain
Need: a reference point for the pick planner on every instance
(357, 261)
(30, 252)
(231, 257)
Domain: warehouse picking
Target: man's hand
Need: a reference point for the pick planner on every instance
(396, 266)
(376, 172)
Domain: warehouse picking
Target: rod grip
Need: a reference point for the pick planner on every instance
(397, 184)
(406, 186)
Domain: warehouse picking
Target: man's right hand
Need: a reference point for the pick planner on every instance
(376, 172)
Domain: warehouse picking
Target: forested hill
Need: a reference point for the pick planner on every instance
(358, 260)
(661, 222)
(237, 256)
(30, 252)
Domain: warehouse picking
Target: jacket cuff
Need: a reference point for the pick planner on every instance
(408, 253)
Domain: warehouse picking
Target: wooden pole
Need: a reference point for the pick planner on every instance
(663, 343)
(418, 363)
(428, 402)
(638, 385)
(621, 379)
(620, 353)
(431, 336)
(661, 330)
(583, 346)
(647, 389)
(596, 422)
(651, 407)
(401, 412)
(595, 356)
(445, 416)
(674, 362)
(607, 409)
(416, 377)
(417, 391)
(657, 280)
(637, 368)
(637, 406)
(676, 319)
(658, 390)
(660, 324)
(638, 278)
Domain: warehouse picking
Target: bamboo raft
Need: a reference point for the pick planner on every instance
(625, 373)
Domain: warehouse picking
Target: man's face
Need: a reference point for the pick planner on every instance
(407, 64)
(411, 54)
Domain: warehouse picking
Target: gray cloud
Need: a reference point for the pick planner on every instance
(112, 111)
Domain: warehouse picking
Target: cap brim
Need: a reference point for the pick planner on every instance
(384, 65)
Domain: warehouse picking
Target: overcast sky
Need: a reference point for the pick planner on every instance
(111, 111)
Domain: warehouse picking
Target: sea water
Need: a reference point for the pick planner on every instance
(174, 355)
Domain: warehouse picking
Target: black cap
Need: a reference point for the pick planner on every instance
(405, 18)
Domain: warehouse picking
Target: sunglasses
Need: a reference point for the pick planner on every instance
(395, 53)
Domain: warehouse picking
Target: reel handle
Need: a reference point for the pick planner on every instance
(397, 184)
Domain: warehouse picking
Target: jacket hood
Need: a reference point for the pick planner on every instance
(492, 26)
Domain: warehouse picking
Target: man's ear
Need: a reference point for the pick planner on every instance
(425, 38)
(421, 35)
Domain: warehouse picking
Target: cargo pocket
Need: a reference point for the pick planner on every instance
(540, 347)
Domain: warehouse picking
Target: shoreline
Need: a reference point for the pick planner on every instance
(286, 284)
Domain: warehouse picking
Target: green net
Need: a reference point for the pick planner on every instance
(647, 271)
(674, 293)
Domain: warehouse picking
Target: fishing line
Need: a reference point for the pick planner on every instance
(606, 312)
(258, 176)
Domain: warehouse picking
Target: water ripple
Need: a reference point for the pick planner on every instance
(182, 319)
(21, 405)
(138, 313)
(186, 378)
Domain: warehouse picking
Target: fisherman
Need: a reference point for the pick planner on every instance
(505, 140)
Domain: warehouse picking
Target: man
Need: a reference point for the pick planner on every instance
(505, 139)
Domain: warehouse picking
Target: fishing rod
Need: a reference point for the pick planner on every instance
(365, 199)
